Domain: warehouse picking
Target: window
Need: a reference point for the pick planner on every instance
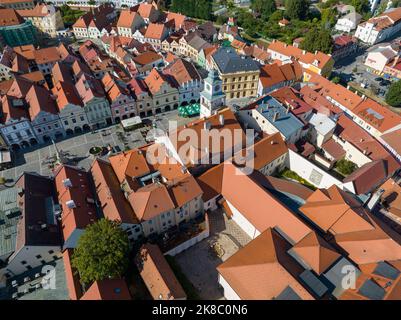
(51, 251)
(23, 262)
(38, 256)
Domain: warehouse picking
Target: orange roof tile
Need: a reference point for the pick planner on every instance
(316, 252)
(112, 200)
(157, 274)
(150, 201)
(108, 289)
(84, 211)
(262, 269)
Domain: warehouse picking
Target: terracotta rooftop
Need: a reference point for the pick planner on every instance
(73, 184)
(112, 200)
(157, 274)
(304, 57)
(263, 270)
(267, 211)
(316, 252)
(108, 289)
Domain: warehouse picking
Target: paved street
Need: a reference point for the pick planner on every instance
(77, 147)
(200, 261)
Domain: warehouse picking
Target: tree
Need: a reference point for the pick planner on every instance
(297, 9)
(317, 39)
(361, 6)
(328, 17)
(345, 166)
(201, 9)
(393, 96)
(264, 7)
(102, 252)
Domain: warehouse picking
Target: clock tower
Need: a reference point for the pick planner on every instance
(212, 97)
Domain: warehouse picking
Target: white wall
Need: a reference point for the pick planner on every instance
(304, 168)
(242, 222)
(229, 293)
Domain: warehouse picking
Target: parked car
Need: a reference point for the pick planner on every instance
(379, 79)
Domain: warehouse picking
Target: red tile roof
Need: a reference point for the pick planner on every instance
(157, 274)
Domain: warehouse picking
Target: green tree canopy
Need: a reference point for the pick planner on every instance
(102, 252)
(361, 6)
(297, 9)
(317, 39)
(264, 7)
(201, 9)
(393, 96)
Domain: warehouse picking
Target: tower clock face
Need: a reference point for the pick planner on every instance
(217, 88)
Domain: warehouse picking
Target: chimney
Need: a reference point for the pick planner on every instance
(303, 52)
(275, 116)
(363, 96)
(221, 119)
(348, 87)
(288, 109)
(206, 125)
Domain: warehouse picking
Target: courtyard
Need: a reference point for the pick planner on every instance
(199, 262)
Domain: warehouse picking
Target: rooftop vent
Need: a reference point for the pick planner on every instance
(67, 183)
(70, 204)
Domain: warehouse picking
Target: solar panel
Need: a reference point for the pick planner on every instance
(288, 294)
(313, 283)
(385, 270)
(372, 290)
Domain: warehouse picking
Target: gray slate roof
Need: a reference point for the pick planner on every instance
(228, 61)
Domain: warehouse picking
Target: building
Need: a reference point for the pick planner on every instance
(240, 74)
(14, 30)
(189, 82)
(143, 98)
(200, 152)
(128, 23)
(163, 90)
(111, 199)
(380, 57)
(77, 202)
(122, 102)
(212, 97)
(249, 273)
(317, 62)
(46, 18)
(271, 117)
(43, 113)
(268, 156)
(344, 46)
(107, 289)
(95, 23)
(161, 194)
(94, 100)
(157, 274)
(273, 76)
(31, 236)
(17, 4)
(146, 61)
(348, 22)
(71, 110)
(380, 28)
(155, 34)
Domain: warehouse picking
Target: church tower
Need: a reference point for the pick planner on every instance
(212, 97)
